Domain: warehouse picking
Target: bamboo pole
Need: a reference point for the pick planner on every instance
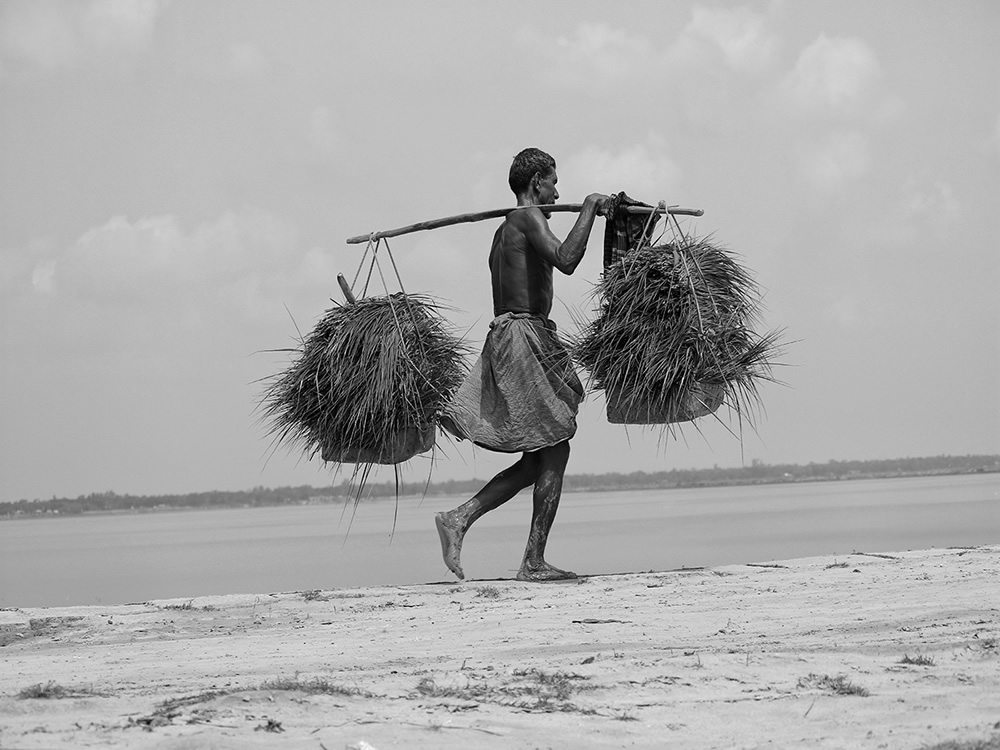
(497, 213)
(346, 289)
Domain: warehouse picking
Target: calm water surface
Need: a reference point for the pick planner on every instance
(115, 559)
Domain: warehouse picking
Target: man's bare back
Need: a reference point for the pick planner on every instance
(522, 278)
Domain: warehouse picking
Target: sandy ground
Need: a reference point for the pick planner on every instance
(896, 650)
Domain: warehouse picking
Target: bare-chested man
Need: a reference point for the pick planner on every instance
(523, 393)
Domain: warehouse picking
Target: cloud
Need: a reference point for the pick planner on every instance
(739, 34)
(832, 74)
(600, 56)
(238, 60)
(937, 201)
(608, 51)
(41, 34)
(840, 158)
(41, 275)
(50, 34)
(316, 137)
(922, 210)
(239, 261)
(17, 266)
(119, 24)
(593, 55)
(147, 291)
(644, 171)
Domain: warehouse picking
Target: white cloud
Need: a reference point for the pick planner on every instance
(238, 60)
(738, 33)
(41, 276)
(603, 48)
(41, 34)
(119, 24)
(17, 266)
(936, 201)
(316, 136)
(599, 55)
(922, 210)
(841, 158)
(51, 34)
(644, 171)
(317, 265)
(234, 262)
(593, 55)
(832, 74)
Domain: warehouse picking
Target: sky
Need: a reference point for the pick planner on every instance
(177, 181)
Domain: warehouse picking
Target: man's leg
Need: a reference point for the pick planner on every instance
(452, 525)
(548, 489)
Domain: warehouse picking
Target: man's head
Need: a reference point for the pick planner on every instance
(533, 169)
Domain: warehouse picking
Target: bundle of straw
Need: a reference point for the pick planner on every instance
(368, 383)
(673, 338)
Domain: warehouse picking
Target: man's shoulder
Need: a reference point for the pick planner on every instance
(526, 217)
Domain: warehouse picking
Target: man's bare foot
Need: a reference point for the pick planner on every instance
(542, 573)
(451, 543)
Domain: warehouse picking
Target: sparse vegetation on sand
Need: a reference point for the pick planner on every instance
(314, 596)
(53, 690)
(526, 689)
(187, 606)
(991, 743)
(839, 685)
(314, 686)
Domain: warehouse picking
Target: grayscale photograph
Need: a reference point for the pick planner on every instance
(460, 374)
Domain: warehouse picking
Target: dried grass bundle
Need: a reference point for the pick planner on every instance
(673, 339)
(368, 383)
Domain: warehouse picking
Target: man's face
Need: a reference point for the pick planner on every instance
(547, 192)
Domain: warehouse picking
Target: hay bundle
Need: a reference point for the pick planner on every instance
(368, 383)
(673, 339)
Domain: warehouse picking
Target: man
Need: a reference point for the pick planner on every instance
(522, 395)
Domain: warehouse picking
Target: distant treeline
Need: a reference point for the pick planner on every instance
(756, 473)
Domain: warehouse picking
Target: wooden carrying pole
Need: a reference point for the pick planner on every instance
(501, 212)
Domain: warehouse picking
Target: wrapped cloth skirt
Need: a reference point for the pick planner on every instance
(522, 394)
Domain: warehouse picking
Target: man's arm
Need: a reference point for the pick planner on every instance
(565, 255)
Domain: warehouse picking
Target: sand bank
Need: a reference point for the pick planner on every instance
(888, 650)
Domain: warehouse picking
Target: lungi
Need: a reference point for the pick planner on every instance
(522, 394)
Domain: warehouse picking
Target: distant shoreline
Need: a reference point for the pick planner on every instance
(756, 474)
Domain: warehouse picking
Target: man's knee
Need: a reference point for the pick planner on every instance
(555, 456)
(529, 466)
(563, 448)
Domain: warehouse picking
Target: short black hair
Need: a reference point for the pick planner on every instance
(524, 167)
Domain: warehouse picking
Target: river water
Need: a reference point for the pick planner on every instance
(122, 558)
